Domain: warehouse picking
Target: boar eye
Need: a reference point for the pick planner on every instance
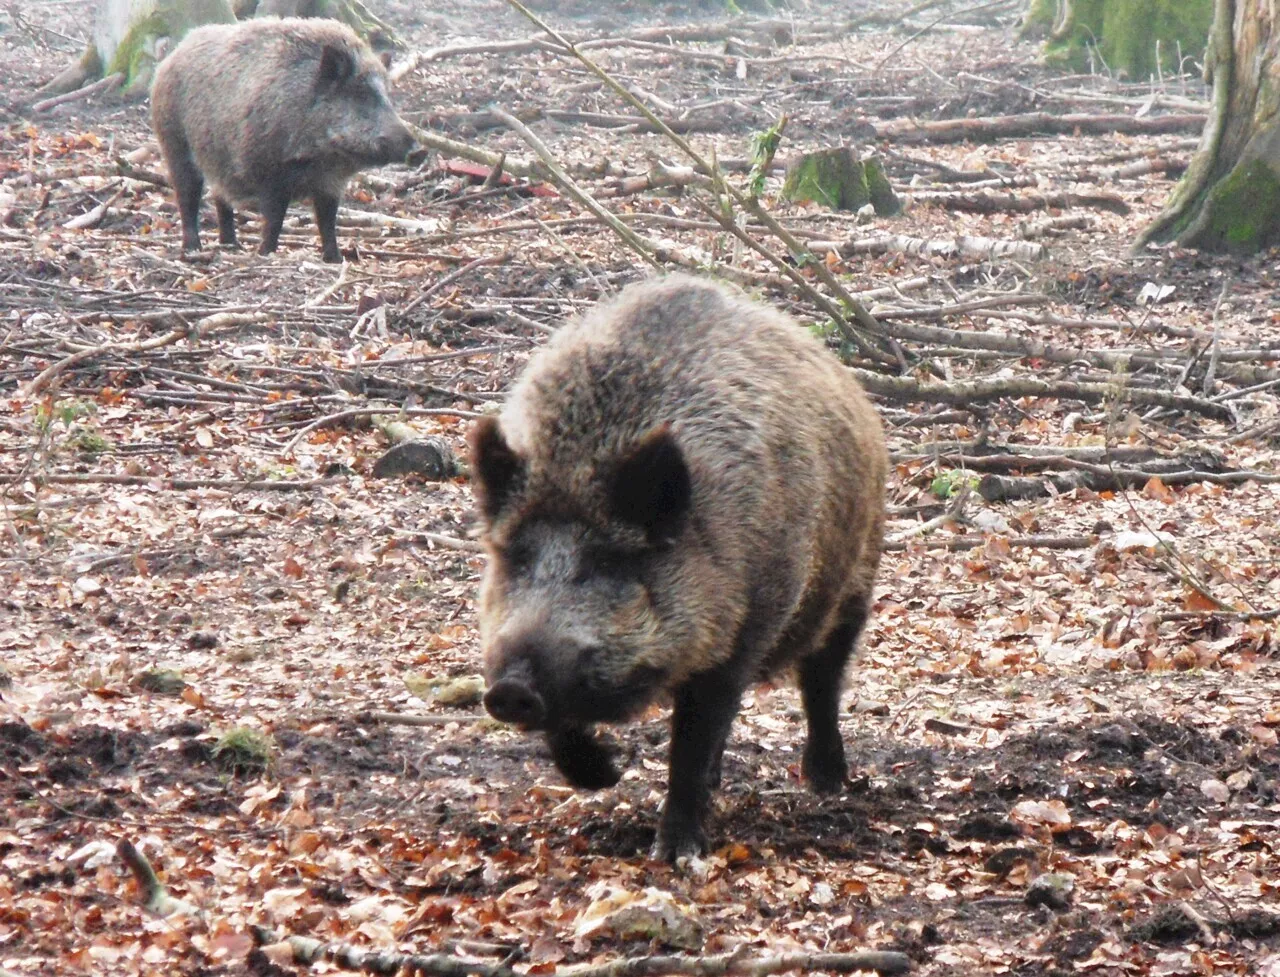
(518, 556)
(615, 564)
(336, 66)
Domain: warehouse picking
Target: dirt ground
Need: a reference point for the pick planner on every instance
(1061, 761)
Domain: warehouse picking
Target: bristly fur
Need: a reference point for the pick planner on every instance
(269, 111)
(734, 469)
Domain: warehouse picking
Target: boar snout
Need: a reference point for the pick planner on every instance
(397, 144)
(512, 700)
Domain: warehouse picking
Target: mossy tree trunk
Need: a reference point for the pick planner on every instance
(1229, 198)
(1137, 38)
(130, 36)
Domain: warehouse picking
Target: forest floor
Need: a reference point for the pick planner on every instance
(1062, 727)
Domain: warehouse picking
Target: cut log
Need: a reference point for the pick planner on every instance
(411, 453)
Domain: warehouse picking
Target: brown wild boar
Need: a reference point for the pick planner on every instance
(270, 111)
(683, 495)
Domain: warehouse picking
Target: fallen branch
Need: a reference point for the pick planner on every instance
(964, 393)
(308, 951)
(451, 147)
(983, 248)
(649, 250)
(1032, 124)
(820, 300)
(107, 84)
(94, 216)
(404, 719)
(1029, 230)
(450, 278)
(955, 543)
(1170, 167)
(683, 32)
(156, 897)
(438, 539)
(179, 484)
(1221, 615)
(212, 323)
(996, 203)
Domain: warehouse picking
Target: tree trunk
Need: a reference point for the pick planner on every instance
(130, 36)
(1229, 199)
(1137, 38)
(353, 13)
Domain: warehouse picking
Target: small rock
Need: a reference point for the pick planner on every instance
(432, 458)
(88, 586)
(1051, 889)
(1215, 790)
(202, 640)
(870, 707)
(161, 681)
(460, 693)
(650, 914)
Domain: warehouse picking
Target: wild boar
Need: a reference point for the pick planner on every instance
(683, 495)
(271, 111)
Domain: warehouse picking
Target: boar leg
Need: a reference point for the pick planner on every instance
(226, 222)
(189, 186)
(326, 211)
(583, 759)
(704, 710)
(273, 206)
(820, 682)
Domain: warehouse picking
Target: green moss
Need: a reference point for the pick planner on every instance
(1125, 34)
(1241, 213)
(135, 55)
(883, 199)
(832, 177)
(242, 751)
(836, 178)
(1039, 18)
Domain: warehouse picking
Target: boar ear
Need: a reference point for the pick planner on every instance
(336, 66)
(651, 487)
(496, 470)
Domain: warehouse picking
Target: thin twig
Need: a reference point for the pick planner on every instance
(647, 249)
(451, 277)
(859, 313)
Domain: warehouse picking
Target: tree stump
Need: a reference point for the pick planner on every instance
(839, 179)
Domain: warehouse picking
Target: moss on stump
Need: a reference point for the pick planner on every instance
(838, 179)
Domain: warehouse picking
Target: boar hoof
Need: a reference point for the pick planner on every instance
(583, 760)
(676, 841)
(825, 772)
